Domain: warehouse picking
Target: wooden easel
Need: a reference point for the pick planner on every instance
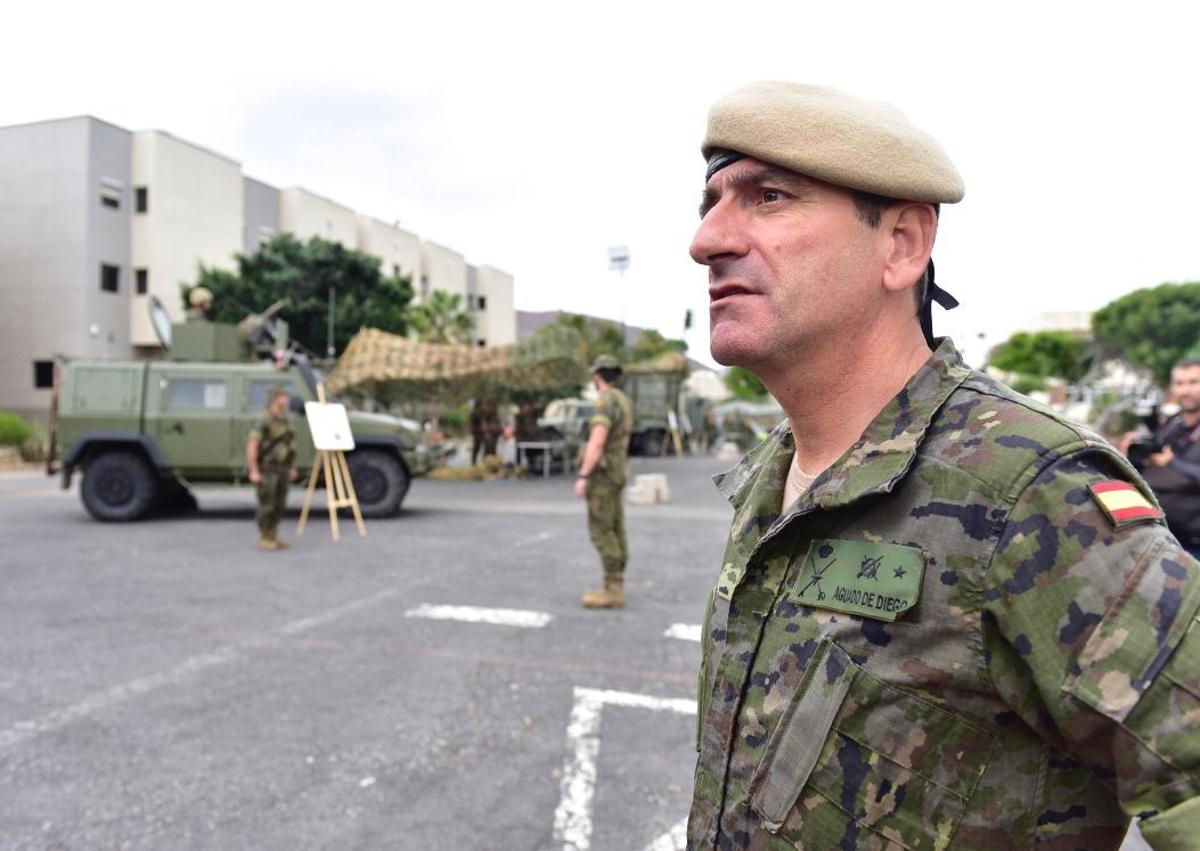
(339, 487)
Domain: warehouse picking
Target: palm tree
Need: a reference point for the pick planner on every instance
(441, 318)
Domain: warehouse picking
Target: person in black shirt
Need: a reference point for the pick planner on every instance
(1172, 469)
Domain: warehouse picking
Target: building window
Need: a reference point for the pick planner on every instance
(141, 281)
(141, 199)
(395, 270)
(43, 374)
(481, 302)
(424, 286)
(110, 193)
(110, 278)
(481, 343)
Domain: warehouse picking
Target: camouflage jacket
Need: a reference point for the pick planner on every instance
(948, 642)
(613, 409)
(277, 442)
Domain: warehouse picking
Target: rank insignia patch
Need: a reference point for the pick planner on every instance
(1123, 504)
(878, 581)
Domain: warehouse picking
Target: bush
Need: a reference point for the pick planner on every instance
(1026, 384)
(14, 431)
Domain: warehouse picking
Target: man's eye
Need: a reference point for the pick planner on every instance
(770, 196)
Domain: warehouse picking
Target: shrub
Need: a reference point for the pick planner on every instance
(14, 431)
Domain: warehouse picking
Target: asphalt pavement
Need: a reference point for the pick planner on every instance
(435, 684)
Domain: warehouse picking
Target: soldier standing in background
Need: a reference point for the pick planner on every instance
(602, 481)
(271, 458)
(485, 429)
(945, 617)
(200, 301)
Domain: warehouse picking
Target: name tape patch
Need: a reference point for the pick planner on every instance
(878, 581)
(1123, 504)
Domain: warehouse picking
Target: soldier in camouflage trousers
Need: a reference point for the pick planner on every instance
(271, 459)
(602, 481)
(967, 625)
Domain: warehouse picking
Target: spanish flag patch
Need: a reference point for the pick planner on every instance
(1123, 503)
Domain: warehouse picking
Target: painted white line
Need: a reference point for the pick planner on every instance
(683, 631)
(540, 537)
(475, 614)
(573, 816)
(674, 839)
(305, 624)
(59, 718)
(191, 667)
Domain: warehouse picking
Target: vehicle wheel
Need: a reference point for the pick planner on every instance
(652, 443)
(118, 487)
(380, 481)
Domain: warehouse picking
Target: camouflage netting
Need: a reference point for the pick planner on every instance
(666, 362)
(394, 369)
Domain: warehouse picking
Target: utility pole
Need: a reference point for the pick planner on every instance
(618, 259)
(330, 351)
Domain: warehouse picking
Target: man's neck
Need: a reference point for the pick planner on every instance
(831, 395)
(1191, 419)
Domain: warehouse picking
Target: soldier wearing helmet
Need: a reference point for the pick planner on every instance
(200, 300)
(601, 481)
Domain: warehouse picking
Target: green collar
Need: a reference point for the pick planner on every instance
(874, 464)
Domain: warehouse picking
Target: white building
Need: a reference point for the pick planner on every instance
(95, 219)
(188, 206)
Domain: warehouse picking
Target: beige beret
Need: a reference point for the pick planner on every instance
(835, 137)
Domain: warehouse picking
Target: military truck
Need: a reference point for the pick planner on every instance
(656, 389)
(143, 432)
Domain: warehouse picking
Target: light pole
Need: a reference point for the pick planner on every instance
(618, 259)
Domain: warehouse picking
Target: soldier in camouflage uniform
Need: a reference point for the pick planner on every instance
(969, 627)
(602, 481)
(200, 301)
(271, 459)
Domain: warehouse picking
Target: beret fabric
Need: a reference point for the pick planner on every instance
(605, 362)
(832, 136)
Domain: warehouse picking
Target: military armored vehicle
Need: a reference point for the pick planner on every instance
(144, 432)
(656, 389)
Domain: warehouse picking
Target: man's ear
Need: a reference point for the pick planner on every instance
(911, 228)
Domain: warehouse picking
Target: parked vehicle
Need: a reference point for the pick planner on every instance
(144, 432)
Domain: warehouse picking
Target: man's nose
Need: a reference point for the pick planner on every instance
(719, 237)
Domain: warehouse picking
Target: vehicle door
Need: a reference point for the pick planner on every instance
(194, 428)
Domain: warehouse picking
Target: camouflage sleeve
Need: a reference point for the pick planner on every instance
(1091, 635)
(606, 412)
(258, 429)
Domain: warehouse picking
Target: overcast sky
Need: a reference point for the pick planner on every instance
(533, 136)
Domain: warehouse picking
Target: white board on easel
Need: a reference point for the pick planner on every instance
(330, 426)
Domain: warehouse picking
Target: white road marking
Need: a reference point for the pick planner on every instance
(674, 839)
(23, 731)
(305, 624)
(683, 631)
(475, 614)
(573, 816)
(59, 718)
(534, 539)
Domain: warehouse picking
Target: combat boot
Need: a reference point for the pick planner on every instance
(279, 544)
(266, 539)
(612, 597)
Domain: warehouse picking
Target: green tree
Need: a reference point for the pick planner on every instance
(1043, 354)
(441, 318)
(303, 272)
(744, 384)
(600, 337)
(651, 344)
(1153, 327)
